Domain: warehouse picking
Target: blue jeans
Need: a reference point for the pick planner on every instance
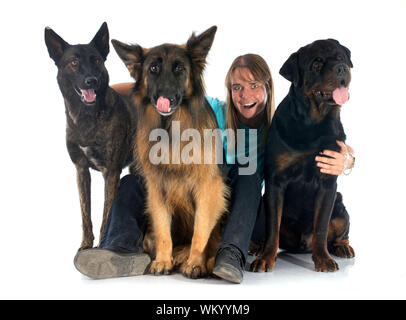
(246, 220)
(126, 223)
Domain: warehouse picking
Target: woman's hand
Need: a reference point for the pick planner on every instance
(336, 162)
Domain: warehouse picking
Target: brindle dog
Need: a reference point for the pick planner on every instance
(304, 211)
(100, 126)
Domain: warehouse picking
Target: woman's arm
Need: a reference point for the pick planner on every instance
(123, 88)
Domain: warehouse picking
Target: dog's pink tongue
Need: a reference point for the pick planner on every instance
(89, 95)
(163, 104)
(340, 95)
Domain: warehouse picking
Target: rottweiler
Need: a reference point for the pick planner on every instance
(304, 212)
(100, 124)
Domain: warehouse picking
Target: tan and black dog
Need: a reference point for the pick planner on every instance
(184, 201)
(100, 125)
(304, 211)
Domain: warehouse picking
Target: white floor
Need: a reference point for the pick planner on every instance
(48, 273)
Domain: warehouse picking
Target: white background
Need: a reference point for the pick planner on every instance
(40, 224)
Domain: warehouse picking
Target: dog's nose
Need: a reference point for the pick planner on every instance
(91, 81)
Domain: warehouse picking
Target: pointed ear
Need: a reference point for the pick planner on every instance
(198, 46)
(132, 56)
(290, 69)
(101, 41)
(55, 44)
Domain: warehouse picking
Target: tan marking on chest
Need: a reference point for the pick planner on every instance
(88, 152)
(287, 159)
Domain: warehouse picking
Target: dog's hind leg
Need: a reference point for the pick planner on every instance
(111, 180)
(339, 227)
(340, 247)
(83, 181)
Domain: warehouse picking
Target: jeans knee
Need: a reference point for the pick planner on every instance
(249, 182)
(129, 184)
(128, 181)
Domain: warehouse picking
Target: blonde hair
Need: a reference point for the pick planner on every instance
(260, 71)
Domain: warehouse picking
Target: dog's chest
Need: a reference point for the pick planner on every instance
(92, 143)
(302, 169)
(95, 157)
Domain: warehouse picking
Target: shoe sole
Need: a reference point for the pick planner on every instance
(103, 264)
(227, 273)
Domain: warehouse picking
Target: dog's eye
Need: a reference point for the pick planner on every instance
(74, 63)
(317, 64)
(154, 68)
(97, 61)
(179, 68)
(340, 58)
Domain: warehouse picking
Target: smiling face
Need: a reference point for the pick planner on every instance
(248, 95)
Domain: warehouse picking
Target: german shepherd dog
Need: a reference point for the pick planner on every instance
(100, 125)
(304, 211)
(184, 201)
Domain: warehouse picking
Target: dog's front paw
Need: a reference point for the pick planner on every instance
(256, 249)
(194, 271)
(263, 264)
(194, 268)
(161, 267)
(324, 263)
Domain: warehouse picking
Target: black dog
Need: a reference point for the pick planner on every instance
(100, 126)
(304, 211)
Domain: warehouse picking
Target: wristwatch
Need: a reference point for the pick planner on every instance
(347, 171)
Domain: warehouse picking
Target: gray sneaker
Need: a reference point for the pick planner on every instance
(103, 263)
(228, 265)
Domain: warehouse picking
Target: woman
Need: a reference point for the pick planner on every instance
(250, 105)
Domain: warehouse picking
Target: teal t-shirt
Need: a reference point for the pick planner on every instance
(251, 152)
